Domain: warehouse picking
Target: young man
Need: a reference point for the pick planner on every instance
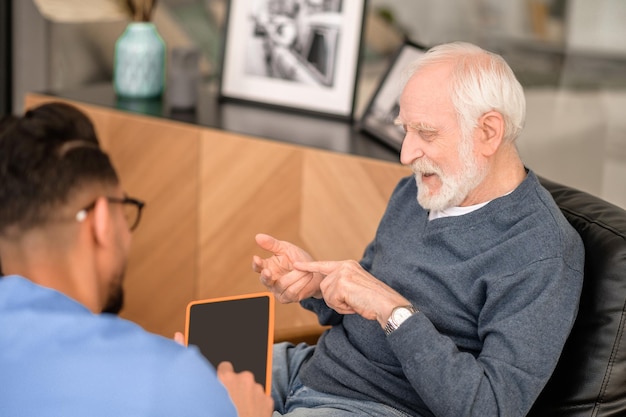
(65, 233)
(463, 301)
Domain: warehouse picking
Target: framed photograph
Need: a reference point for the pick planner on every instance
(296, 54)
(380, 113)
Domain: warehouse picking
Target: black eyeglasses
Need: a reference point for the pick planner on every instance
(132, 210)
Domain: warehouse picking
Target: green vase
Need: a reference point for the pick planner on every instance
(139, 67)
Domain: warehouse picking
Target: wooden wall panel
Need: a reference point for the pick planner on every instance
(248, 186)
(158, 162)
(343, 199)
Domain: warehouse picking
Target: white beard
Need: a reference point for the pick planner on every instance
(454, 187)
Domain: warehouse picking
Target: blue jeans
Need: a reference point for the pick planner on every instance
(292, 398)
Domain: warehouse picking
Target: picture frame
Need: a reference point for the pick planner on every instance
(298, 55)
(381, 111)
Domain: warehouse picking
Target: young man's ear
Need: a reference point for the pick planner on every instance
(102, 221)
(491, 125)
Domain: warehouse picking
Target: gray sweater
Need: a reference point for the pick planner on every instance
(497, 291)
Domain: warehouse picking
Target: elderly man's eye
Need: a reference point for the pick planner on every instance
(427, 135)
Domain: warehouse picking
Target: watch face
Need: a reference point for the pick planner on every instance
(401, 314)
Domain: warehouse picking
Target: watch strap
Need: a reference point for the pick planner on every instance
(392, 325)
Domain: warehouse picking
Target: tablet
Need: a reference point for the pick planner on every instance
(238, 329)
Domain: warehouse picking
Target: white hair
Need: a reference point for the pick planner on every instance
(481, 81)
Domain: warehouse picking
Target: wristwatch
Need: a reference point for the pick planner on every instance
(398, 316)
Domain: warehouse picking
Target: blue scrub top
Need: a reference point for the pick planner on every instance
(59, 359)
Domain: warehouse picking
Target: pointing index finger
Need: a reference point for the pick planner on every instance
(323, 267)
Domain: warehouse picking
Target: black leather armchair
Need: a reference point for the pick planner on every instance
(590, 378)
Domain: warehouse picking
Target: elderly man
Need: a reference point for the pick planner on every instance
(463, 301)
(65, 232)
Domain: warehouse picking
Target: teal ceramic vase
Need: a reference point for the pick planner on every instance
(139, 66)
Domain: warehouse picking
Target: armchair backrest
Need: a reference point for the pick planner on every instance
(590, 378)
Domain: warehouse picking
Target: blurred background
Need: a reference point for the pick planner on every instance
(570, 56)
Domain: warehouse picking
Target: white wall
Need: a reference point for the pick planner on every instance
(597, 26)
(432, 22)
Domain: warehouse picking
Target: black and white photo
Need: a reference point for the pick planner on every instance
(300, 54)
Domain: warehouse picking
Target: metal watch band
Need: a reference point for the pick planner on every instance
(392, 324)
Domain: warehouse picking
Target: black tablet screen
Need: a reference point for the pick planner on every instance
(235, 329)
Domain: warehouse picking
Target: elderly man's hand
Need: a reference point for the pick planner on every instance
(277, 272)
(348, 289)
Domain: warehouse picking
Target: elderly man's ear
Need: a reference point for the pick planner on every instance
(491, 132)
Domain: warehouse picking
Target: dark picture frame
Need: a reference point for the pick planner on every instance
(379, 115)
(298, 55)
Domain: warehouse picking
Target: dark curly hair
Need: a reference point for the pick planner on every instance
(45, 156)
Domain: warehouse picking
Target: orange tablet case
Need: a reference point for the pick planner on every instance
(238, 329)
